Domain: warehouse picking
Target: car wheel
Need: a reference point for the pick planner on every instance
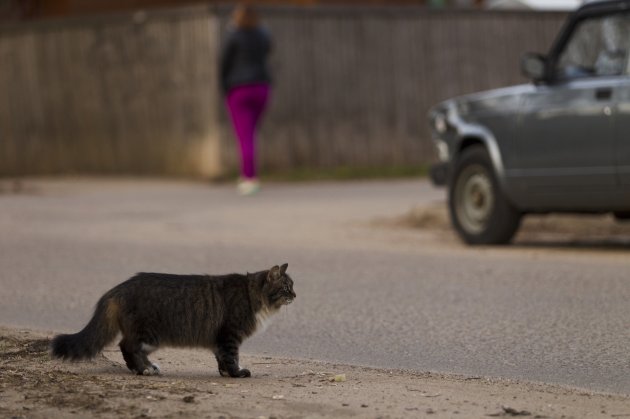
(479, 211)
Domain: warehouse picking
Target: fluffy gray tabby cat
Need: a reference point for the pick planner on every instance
(151, 310)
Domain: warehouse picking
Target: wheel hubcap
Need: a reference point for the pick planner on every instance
(474, 199)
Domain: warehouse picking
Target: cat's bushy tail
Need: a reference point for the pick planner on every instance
(101, 330)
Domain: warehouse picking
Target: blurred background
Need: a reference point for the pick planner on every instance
(130, 87)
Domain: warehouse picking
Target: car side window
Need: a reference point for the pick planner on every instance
(598, 47)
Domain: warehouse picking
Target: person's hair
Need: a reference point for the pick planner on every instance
(245, 17)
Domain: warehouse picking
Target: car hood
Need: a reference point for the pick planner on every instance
(501, 100)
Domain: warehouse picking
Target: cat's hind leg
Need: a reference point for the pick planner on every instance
(135, 356)
(129, 355)
(227, 358)
(154, 369)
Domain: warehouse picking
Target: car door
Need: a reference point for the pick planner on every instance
(622, 135)
(565, 141)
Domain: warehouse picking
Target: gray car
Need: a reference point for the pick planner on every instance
(558, 144)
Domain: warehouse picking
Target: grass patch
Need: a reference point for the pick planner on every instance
(346, 173)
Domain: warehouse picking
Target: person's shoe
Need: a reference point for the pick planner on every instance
(248, 186)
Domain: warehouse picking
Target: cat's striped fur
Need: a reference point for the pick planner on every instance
(151, 310)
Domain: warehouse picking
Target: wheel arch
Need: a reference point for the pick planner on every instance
(478, 136)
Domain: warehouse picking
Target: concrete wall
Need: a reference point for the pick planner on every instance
(138, 93)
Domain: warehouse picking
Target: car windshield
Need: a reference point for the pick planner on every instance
(598, 47)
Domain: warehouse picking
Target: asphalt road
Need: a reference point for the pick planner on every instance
(367, 293)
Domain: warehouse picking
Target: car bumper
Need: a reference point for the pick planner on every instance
(438, 173)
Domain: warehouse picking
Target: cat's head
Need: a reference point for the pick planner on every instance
(279, 286)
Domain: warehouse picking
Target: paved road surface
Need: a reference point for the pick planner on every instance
(367, 294)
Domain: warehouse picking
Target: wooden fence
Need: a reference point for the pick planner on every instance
(138, 93)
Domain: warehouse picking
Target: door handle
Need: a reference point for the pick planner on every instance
(604, 93)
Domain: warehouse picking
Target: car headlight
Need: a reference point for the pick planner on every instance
(440, 124)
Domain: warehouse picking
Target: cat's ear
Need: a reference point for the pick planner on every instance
(274, 274)
(283, 268)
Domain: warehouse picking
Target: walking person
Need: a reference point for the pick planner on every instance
(246, 84)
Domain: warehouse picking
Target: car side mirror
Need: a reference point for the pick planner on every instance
(534, 66)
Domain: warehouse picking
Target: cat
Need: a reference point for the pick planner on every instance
(155, 309)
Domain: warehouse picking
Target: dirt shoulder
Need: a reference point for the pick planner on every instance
(34, 386)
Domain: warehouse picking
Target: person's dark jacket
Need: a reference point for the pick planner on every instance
(244, 58)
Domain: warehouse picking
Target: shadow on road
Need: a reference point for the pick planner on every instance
(585, 244)
(553, 231)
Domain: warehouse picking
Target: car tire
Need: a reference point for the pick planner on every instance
(478, 209)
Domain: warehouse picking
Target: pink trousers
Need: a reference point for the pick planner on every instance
(246, 105)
